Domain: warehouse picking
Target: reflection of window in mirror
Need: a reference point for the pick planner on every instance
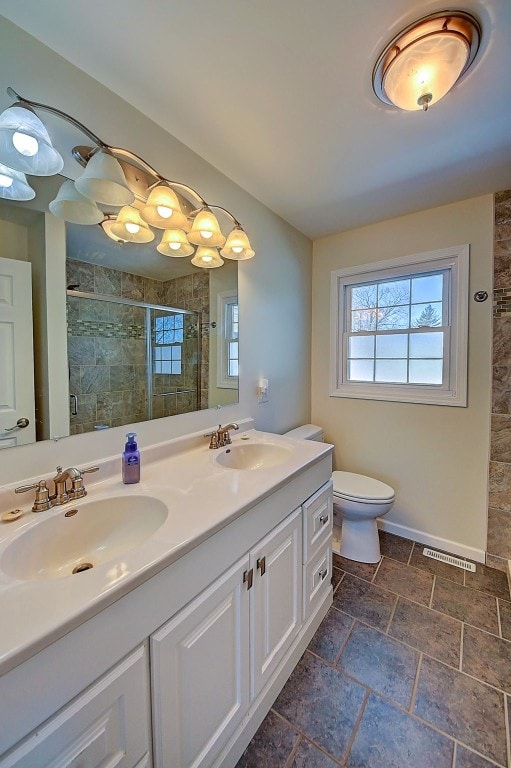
(228, 332)
(168, 340)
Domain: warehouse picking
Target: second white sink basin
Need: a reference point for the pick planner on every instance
(253, 455)
(66, 544)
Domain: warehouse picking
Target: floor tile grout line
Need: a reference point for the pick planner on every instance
(499, 619)
(432, 591)
(415, 684)
(392, 614)
(462, 638)
(356, 726)
(344, 644)
(478, 752)
(291, 756)
(380, 561)
(302, 736)
(411, 553)
(507, 702)
(454, 754)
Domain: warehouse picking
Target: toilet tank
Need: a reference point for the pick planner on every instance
(306, 432)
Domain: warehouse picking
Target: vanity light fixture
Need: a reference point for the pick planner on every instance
(130, 226)
(425, 60)
(174, 243)
(25, 144)
(206, 230)
(72, 206)
(103, 180)
(237, 246)
(14, 185)
(208, 258)
(115, 178)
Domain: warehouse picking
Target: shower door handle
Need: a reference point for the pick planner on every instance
(74, 405)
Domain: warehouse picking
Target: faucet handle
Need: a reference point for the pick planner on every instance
(42, 495)
(213, 442)
(78, 490)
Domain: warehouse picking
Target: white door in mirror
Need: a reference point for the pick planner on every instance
(16, 353)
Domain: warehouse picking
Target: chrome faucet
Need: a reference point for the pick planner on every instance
(221, 437)
(62, 493)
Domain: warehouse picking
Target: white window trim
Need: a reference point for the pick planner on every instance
(456, 259)
(224, 298)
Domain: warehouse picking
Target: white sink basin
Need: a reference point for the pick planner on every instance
(100, 531)
(254, 456)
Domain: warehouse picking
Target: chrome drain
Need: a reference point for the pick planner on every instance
(82, 567)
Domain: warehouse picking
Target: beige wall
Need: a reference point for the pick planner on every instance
(274, 287)
(434, 456)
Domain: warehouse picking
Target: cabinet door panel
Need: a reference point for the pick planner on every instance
(105, 726)
(276, 598)
(198, 665)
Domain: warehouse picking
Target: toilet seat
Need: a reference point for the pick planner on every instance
(353, 487)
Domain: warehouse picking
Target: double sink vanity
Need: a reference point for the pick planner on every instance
(154, 624)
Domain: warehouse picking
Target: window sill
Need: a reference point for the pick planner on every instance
(398, 395)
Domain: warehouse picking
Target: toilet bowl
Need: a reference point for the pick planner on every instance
(358, 501)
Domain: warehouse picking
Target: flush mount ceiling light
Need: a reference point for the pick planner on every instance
(117, 178)
(425, 60)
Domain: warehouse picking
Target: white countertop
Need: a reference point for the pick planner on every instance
(201, 497)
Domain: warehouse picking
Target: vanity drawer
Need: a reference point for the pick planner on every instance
(106, 725)
(317, 520)
(317, 577)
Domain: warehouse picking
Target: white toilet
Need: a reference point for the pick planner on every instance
(358, 500)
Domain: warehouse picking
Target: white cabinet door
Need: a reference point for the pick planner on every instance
(107, 725)
(199, 662)
(276, 598)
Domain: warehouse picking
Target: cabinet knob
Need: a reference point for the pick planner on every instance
(323, 573)
(323, 519)
(261, 564)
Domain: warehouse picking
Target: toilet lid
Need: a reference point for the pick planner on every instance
(353, 486)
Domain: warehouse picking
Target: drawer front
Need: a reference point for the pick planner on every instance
(317, 578)
(317, 520)
(106, 725)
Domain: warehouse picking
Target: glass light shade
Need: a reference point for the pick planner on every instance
(206, 230)
(72, 206)
(174, 243)
(162, 209)
(208, 258)
(103, 180)
(25, 144)
(237, 246)
(430, 65)
(14, 185)
(107, 224)
(130, 226)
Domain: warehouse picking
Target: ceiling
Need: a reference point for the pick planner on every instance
(277, 95)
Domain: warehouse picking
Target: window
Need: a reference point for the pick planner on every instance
(168, 339)
(399, 329)
(228, 340)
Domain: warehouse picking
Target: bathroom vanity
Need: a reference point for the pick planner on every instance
(170, 652)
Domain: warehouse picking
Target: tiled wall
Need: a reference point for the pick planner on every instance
(499, 509)
(107, 347)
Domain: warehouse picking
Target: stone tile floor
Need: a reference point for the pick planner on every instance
(411, 668)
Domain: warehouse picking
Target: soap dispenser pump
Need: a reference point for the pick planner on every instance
(131, 460)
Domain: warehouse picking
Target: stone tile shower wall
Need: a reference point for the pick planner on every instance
(499, 508)
(107, 347)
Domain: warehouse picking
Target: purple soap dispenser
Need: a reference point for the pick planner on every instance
(131, 460)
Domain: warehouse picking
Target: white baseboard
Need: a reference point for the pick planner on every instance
(437, 542)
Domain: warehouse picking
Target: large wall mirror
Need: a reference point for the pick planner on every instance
(111, 333)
